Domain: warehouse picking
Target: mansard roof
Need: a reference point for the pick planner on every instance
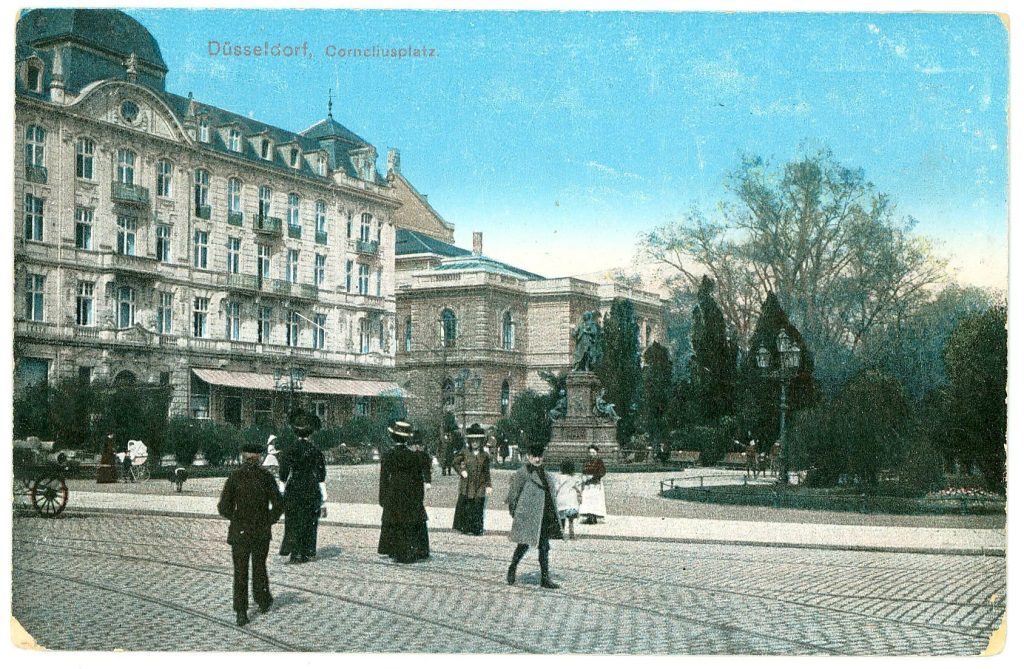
(408, 242)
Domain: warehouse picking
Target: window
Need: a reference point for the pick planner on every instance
(126, 227)
(380, 274)
(263, 253)
(348, 226)
(204, 130)
(126, 166)
(202, 188)
(321, 166)
(265, 149)
(265, 194)
(34, 297)
(199, 249)
(34, 77)
(364, 279)
(85, 154)
(83, 228)
(125, 307)
(266, 315)
(165, 378)
(319, 270)
(508, 332)
(200, 307)
(234, 254)
(232, 321)
(293, 265)
(85, 375)
(164, 179)
(33, 218)
(449, 328)
(293, 210)
(83, 303)
(348, 276)
(364, 228)
(408, 334)
(292, 329)
(35, 141)
(163, 313)
(295, 158)
(234, 195)
(163, 243)
(364, 335)
(234, 140)
(321, 216)
(319, 330)
(448, 394)
(362, 406)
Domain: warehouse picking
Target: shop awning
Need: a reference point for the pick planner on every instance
(312, 385)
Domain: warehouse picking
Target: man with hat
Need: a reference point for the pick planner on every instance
(534, 514)
(252, 502)
(474, 468)
(304, 472)
(403, 528)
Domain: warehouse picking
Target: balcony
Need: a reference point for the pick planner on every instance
(266, 225)
(129, 194)
(203, 211)
(35, 173)
(321, 236)
(367, 247)
(138, 265)
(245, 282)
(235, 218)
(295, 231)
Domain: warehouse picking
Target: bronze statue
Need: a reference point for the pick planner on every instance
(561, 407)
(604, 409)
(587, 336)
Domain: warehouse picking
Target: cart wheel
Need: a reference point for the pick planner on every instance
(49, 496)
(141, 473)
(23, 492)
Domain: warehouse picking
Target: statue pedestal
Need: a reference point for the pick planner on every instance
(580, 429)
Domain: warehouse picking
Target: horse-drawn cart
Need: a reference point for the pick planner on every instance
(40, 476)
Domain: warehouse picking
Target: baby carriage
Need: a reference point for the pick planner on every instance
(138, 461)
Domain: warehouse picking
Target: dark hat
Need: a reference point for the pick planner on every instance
(474, 431)
(303, 422)
(252, 447)
(536, 450)
(416, 439)
(400, 430)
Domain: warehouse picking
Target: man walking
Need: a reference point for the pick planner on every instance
(534, 517)
(252, 502)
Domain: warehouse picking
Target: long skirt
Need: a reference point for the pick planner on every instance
(404, 541)
(469, 515)
(593, 501)
(300, 529)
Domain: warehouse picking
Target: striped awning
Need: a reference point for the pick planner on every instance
(312, 385)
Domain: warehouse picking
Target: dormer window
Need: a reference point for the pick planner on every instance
(265, 149)
(295, 158)
(321, 166)
(34, 76)
(204, 130)
(234, 140)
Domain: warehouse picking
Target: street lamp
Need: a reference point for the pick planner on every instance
(290, 380)
(789, 362)
(461, 379)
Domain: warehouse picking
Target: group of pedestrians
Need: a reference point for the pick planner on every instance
(542, 504)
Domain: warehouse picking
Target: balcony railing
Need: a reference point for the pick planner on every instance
(367, 247)
(243, 281)
(235, 218)
(203, 211)
(135, 264)
(321, 236)
(280, 286)
(267, 225)
(295, 231)
(35, 173)
(130, 194)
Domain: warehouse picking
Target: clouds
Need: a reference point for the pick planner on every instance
(610, 171)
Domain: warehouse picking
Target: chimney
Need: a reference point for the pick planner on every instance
(394, 161)
(478, 243)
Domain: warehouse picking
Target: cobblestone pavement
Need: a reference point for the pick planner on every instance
(103, 582)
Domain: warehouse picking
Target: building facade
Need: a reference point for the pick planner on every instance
(163, 240)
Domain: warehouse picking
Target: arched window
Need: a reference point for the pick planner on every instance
(449, 328)
(506, 393)
(448, 394)
(508, 332)
(408, 334)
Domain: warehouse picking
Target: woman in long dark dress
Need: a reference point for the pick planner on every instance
(304, 471)
(107, 471)
(403, 520)
(474, 468)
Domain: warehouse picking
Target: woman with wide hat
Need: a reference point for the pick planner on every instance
(474, 468)
(304, 472)
(403, 527)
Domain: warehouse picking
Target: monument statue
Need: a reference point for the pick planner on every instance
(603, 408)
(587, 336)
(561, 407)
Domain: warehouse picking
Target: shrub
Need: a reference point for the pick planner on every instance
(222, 442)
(923, 470)
(184, 439)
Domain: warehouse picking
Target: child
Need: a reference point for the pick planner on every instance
(568, 496)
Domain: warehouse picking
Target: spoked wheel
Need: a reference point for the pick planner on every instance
(49, 496)
(140, 472)
(23, 493)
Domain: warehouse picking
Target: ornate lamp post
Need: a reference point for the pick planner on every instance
(289, 380)
(463, 378)
(788, 363)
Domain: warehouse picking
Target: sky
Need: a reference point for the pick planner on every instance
(563, 136)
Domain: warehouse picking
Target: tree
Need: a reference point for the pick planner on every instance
(31, 411)
(657, 392)
(619, 369)
(713, 365)
(529, 417)
(975, 357)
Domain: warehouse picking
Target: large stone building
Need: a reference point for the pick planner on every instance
(473, 332)
(164, 240)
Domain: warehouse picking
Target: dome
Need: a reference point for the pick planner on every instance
(107, 30)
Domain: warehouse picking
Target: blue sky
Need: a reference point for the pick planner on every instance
(562, 136)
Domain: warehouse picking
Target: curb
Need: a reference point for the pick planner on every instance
(974, 552)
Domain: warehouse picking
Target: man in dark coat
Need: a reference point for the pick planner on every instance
(474, 468)
(304, 471)
(403, 520)
(251, 501)
(534, 514)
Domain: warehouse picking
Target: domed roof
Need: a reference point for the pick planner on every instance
(109, 30)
